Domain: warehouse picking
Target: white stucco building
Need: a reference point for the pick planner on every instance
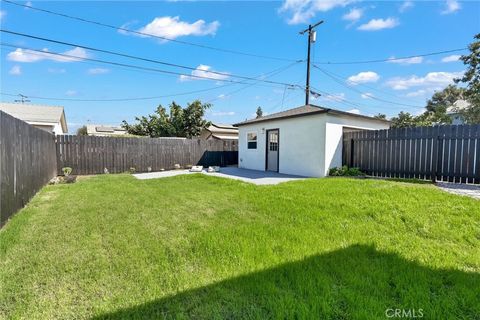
(102, 130)
(304, 141)
(454, 111)
(48, 118)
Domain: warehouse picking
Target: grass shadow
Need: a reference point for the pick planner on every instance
(357, 282)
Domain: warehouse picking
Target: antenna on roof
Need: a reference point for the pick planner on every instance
(22, 99)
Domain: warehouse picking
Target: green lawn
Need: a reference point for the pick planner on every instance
(194, 246)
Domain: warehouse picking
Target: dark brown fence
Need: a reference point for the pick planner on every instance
(444, 153)
(91, 155)
(27, 162)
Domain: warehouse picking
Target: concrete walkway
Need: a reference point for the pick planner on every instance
(468, 190)
(250, 176)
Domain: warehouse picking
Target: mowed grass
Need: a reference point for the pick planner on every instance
(194, 246)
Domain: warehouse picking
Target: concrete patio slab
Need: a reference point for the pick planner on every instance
(250, 176)
(468, 190)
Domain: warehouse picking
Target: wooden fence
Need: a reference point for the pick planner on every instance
(27, 162)
(91, 155)
(443, 153)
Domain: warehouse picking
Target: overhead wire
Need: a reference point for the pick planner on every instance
(361, 92)
(77, 58)
(145, 34)
(116, 53)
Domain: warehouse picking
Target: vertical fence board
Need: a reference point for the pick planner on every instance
(28, 160)
(445, 153)
(91, 155)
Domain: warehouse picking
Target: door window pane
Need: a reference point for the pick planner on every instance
(252, 140)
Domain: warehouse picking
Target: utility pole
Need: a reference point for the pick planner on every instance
(311, 39)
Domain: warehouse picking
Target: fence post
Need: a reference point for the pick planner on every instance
(435, 141)
(352, 149)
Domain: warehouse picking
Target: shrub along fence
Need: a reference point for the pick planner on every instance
(27, 162)
(91, 155)
(444, 153)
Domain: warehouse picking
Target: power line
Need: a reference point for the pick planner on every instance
(269, 74)
(361, 84)
(102, 24)
(361, 92)
(125, 55)
(118, 99)
(391, 59)
(43, 53)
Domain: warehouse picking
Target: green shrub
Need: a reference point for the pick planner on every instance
(345, 171)
(132, 170)
(67, 171)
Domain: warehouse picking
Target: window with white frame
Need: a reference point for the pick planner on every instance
(252, 140)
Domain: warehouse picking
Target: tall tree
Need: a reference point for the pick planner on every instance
(404, 120)
(380, 116)
(259, 112)
(437, 105)
(82, 131)
(471, 78)
(179, 122)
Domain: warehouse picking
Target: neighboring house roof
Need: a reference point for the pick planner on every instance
(93, 129)
(305, 110)
(220, 131)
(216, 128)
(225, 136)
(36, 113)
(457, 106)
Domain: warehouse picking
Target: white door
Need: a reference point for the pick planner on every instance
(272, 150)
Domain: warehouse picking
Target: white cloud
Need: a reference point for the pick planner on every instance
(353, 15)
(71, 93)
(452, 58)
(202, 71)
(301, 11)
(127, 26)
(3, 13)
(413, 60)
(335, 97)
(28, 3)
(379, 24)
(25, 55)
(451, 6)
(367, 95)
(223, 113)
(173, 27)
(354, 111)
(418, 93)
(405, 6)
(15, 71)
(430, 80)
(364, 77)
(94, 71)
(56, 70)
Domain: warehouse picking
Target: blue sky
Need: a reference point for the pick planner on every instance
(353, 31)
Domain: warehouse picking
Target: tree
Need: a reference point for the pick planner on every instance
(404, 120)
(471, 78)
(380, 116)
(436, 110)
(259, 112)
(179, 122)
(437, 105)
(82, 131)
